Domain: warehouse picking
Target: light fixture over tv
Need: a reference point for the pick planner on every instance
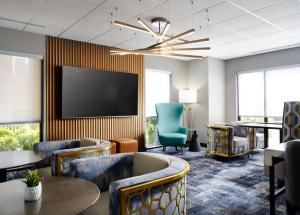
(88, 93)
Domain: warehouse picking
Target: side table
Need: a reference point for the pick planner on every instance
(194, 144)
(125, 145)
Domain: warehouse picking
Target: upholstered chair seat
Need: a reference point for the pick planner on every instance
(240, 145)
(170, 138)
(239, 141)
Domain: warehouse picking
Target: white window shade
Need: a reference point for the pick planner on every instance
(20, 89)
(251, 94)
(157, 84)
(281, 85)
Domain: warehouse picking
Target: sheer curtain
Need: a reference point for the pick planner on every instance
(251, 94)
(281, 85)
(20, 89)
(263, 93)
(157, 89)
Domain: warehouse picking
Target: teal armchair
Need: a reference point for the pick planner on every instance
(169, 129)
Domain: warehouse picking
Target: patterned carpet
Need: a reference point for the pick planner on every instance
(216, 186)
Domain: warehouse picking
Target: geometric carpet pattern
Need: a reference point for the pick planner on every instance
(217, 186)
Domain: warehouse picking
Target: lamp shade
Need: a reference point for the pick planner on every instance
(188, 96)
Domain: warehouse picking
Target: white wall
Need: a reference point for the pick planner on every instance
(208, 77)
(216, 74)
(198, 80)
(22, 42)
(267, 60)
(176, 67)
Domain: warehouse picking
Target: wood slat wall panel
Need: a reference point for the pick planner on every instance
(62, 52)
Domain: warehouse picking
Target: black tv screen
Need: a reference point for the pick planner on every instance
(94, 93)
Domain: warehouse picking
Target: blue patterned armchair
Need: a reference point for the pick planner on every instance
(60, 153)
(291, 121)
(290, 132)
(136, 183)
(227, 140)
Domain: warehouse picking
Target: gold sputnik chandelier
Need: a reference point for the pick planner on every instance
(166, 45)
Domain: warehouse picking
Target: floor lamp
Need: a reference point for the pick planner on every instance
(188, 97)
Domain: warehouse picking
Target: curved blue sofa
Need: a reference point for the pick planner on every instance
(136, 183)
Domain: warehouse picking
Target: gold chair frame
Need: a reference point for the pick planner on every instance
(126, 192)
(59, 158)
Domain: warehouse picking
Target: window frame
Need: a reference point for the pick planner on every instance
(42, 90)
(264, 71)
(171, 99)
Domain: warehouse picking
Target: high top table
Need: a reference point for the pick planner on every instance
(60, 196)
(266, 127)
(17, 160)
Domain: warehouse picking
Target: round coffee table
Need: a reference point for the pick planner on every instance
(17, 159)
(60, 195)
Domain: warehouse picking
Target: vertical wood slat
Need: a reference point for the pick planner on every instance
(62, 52)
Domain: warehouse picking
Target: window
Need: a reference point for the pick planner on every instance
(281, 85)
(261, 95)
(251, 99)
(157, 84)
(20, 95)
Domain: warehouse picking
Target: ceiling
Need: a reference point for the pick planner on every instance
(236, 28)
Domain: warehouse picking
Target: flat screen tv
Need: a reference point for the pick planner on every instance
(94, 93)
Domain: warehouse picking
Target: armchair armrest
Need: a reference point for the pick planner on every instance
(220, 140)
(60, 160)
(183, 130)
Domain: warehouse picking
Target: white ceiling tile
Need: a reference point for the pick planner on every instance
(295, 31)
(95, 2)
(43, 30)
(116, 36)
(241, 22)
(129, 9)
(253, 5)
(201, 5)
(96, 23)
(211, 31)
(272, 37)
(61, 13)
(137, 42)
(288, 22)
(19, 10)
(277, 11)
(258, 30)
(223, 12)
(227, 38)
(12, 25)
